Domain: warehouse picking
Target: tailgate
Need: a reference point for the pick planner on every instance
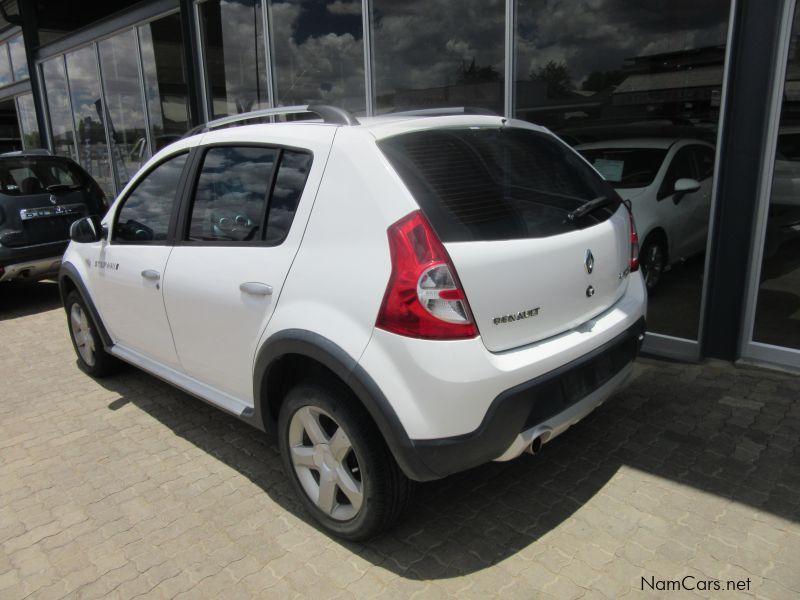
(522, 291)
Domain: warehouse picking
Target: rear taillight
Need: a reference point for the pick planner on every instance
(634, 264)
(424, 298)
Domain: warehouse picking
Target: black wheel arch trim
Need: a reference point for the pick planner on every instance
(68, 272)
(319, 348)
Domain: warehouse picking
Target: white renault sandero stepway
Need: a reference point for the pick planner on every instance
(400, 298)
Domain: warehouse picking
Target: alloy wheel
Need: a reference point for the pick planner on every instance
(652, 265)
(326, 463)
(82, 334)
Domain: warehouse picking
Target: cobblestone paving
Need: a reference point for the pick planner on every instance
(130, 488)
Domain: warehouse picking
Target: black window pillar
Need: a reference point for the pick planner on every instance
(751, 77)
(194, 66)
(30, 37)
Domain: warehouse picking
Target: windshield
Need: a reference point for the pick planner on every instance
(626, 167)
(25, 175)
(496, 183)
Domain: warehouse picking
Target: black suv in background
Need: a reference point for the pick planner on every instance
(40, 196)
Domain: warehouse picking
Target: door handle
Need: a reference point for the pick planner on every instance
(256, 288)
(151, 275)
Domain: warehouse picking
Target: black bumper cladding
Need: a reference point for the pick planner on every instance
(529, 404)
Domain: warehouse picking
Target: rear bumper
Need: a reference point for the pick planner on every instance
(541, 408)
(456, 405)
(31, 262)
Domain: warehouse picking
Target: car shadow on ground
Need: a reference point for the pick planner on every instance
(720, 430)
(22, 299)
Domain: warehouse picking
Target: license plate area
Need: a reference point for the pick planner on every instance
(48, 212)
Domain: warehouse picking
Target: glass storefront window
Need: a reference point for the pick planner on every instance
(62, 127)
(636, 88)
(233, 44)
(164, 68)
(119, 65)
(19, 63)
(29, 128)
(777, 316)
(87, 109)
(318, 53)
(6, 73)
(429, 54)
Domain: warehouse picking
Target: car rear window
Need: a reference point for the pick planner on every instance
(626, 168)
(22, 176)
(496, 183)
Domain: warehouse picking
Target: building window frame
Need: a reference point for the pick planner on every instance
(751, 351)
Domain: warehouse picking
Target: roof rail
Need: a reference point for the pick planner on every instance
(445, 110)
(329, 114)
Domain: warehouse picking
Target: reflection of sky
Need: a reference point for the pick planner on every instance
(232, 181)
(423, 43)
(55, 81)
(84, 84)
(597, 35)
(319, 53)
(151, 202)
(288, 189)
(122, 87)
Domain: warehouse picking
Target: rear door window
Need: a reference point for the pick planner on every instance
(247, 194)
(289, 185)
(230, 199)
(496, 183)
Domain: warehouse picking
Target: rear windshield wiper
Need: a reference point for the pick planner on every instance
(62, 187)
(588, 207)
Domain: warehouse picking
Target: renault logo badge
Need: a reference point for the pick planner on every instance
(589, 262)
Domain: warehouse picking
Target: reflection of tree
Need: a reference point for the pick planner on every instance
(91, 131)
(476, 74)
(557, 78)
(599, 81)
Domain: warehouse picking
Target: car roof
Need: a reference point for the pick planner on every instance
(380, 126)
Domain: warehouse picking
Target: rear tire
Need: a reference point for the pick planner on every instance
(92, 357)
(338, 463)
(653, 261)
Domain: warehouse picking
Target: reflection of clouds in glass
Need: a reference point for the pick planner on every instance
(344, 8)
(323, 67)
(289, 185)
(597, 35)
(55, 83)
(150, 203)
(243, 53)
(233, 182)
(423, 45)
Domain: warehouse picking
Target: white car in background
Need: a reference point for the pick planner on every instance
(668, 182)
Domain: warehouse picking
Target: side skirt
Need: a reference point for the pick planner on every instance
(206, 393)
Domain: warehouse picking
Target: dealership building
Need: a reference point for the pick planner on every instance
(701, 96)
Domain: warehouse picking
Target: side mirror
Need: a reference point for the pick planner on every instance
(684, 186)
(86, 230)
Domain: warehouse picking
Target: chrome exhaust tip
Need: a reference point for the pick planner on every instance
(535, 446)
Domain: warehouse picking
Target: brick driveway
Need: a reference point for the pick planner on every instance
(129, 487)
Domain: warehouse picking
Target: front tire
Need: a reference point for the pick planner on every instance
(92, 357)
(338, 463)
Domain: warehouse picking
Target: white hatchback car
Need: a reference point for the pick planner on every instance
(668, 182)
(401, 298)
